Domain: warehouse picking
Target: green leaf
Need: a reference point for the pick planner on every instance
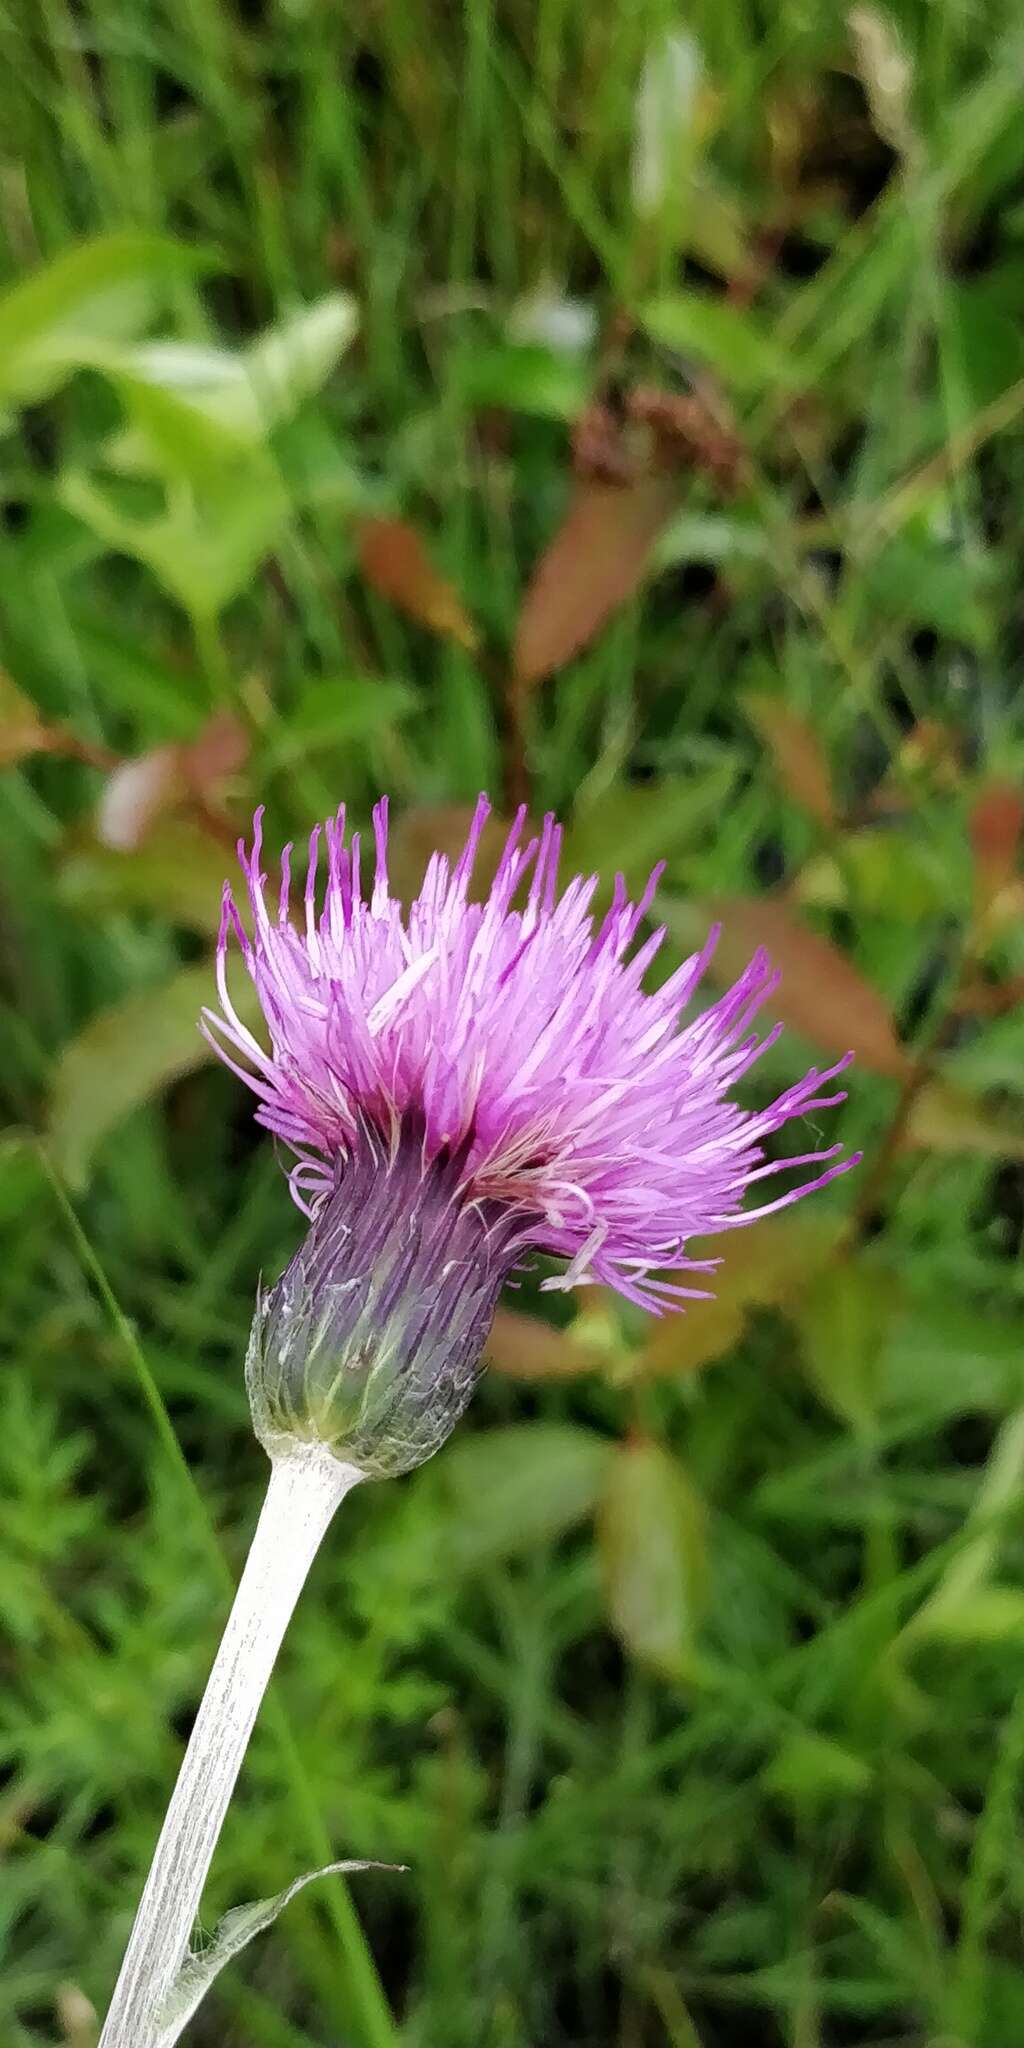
(732, 343)
(143, 679)
(842, 1319)
(811, 1771)
(917, 579)
(199, 420)
(515, 1488)
(653, 1555)
(292, 360)
(339, 711)
(179, 871)
(632, 827)
(943, 1119)
(945, 1356)
(725, 538)
(170, 435)
(965, 1582)
(205, 546)
(242, 395)
(232, 1935)
(546, 382)
(882, 871)
(107, 289)
(991, 1614)
(125, 1056)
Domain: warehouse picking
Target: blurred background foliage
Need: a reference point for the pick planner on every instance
(617, 409)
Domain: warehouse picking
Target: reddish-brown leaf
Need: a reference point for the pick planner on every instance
(996, 824)
(220, 751)
(931, 757)
(796, 752)
(821, 993)
(393, 558)
(523, 1347)
(760, 1267)
(22, 731)
(944, 1119)
(597, 560)
(990, 998)
(140, 791)
(442, 828)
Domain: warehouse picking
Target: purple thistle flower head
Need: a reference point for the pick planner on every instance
(464, 1081)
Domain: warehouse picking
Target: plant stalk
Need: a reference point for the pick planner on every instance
(307, 1485)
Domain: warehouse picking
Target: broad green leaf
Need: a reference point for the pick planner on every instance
(151, 681)
(988, 1614)
(917, 579)
(967, 1577)
(885, 871)
(633, 827)
(127, 1055)
(339, 711)
(179, 872)
(944, 1356)
(105, 290)
(731, 342)
(241, 395)
(205, 546)
(231, 1936)
(515, 1488)
(651, 1529)
(198, 419)
(990, 1062)
(294, 358)
(821, 993)
(843, 1313)
(944, 1119)
(810, 1770)
(723, 538)
(170, 435)
(547, 382)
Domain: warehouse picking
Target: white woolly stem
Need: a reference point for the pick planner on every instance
(306, 1486)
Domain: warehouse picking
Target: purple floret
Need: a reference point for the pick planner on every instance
(519, 1039)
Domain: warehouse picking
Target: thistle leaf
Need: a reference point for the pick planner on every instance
(234, 1933)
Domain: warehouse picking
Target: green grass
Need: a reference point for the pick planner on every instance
(688, 1680)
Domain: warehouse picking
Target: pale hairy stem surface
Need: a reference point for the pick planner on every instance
(307, 1485)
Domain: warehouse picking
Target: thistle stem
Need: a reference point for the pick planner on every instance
(307, 1485)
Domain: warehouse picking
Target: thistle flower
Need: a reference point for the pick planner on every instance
(459, 1085)
(462, 1084)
